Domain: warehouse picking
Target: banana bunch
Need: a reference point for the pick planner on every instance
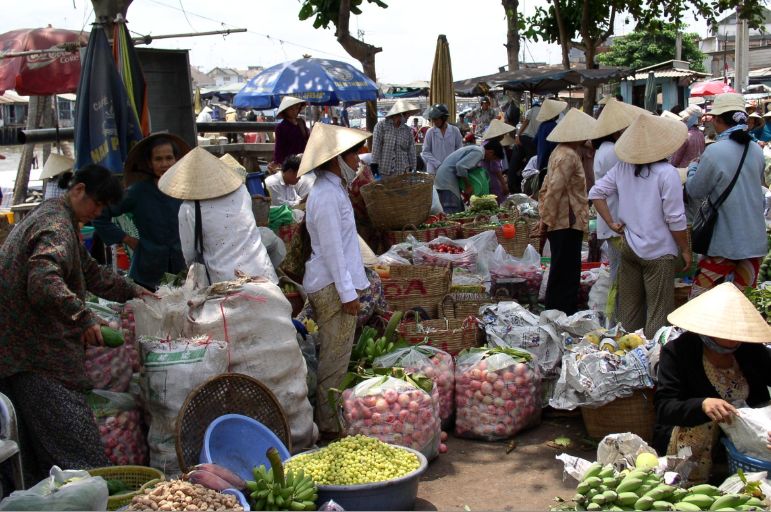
(369, 347)
(272, 490)
(602, 488)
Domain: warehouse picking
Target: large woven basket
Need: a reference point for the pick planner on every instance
(229, 393)
(515, 246)
(136, 478)
(634, 414)
(450, 335)
(287, 232)
(410, 286)
(458, 306)
(397, 201)
(451, 231)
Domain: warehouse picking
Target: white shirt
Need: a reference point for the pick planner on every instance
(231, 239)
(203, 117)
(280, 192)
(437, 146)
(305, 184)
(604, 160)
(335, 256)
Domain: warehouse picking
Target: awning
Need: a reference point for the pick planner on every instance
(549, 81)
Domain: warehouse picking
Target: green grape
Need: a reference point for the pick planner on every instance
(355, 460)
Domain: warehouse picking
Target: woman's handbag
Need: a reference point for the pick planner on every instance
(706, 218)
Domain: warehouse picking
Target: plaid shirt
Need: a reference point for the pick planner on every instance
(393, 149)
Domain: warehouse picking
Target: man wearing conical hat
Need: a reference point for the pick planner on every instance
(393, 143)
(216, 223)
(334, 273)
(703, 374)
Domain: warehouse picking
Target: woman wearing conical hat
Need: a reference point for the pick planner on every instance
(393, 143)
(291, 133)
(718, 362)
(334, 274)
(650, 218)
(564, 209)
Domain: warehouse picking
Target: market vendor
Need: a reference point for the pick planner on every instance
(454, 171)
(393, 144)
(718, 362)
(564, 209)
(45, 274)
(282, 184)
(334, 274)
(291, 133)
(157, 250)
(441, 139)
(217, 212)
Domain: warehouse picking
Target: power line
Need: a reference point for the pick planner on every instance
(182, 8)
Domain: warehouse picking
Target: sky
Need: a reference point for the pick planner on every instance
(407, 32)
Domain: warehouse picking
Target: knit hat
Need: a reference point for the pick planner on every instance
(723, 312)
(615, 116)
(56, 165)
(286, 102)
(574, 127)
(650, 139)
(199, 175)
(496, 129)
(550, 109)
(326, 142)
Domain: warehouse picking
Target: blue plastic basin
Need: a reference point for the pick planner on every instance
(255, 183)
(397, 494)
(239, 443)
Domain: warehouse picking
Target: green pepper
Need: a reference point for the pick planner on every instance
(111, 337)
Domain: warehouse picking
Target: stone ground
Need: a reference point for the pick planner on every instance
(476, 475)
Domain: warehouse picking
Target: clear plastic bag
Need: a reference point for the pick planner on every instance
(120, 426)
(110, 368)
(432, 254)
(497, 393)
(434, 363)
(395, 412)
(62, 490)
(528, 267)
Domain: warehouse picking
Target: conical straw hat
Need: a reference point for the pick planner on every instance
(234, 164)
(496, 129)
(199, 175)
(650, 139)
(723, 312)
(368, 257)
(753, 115)
(135, 168)
(286, 102)
(550, 109)
(56, 165)
(615, 116)
(326, 142)
(402, 107)
(508, 140)
(671, 115)
(575, 126)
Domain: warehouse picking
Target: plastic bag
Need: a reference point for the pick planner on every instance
(394, 411)
(598, 294)
(111, 368)
(399, 254)
(588, 278)
(58, 492)
(749, 431)
(497, 393)
(308, 348)
(445, 253)
(436, 204)
(432, 362)
(280, 216)
(734, 485)
(528, 267)
(120, 426)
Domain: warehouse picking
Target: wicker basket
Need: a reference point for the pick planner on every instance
(458, 306)
(682, 293)
(229, 393)
(410, 286)
(136, 478)
(287, 232)
(423, 235)
(398, 201)
(634, 414)
(261, 209)
(515, 246)
(450, 335)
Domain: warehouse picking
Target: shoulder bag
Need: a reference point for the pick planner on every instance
(706, 218)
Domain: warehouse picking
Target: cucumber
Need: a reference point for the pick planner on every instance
(111, 337)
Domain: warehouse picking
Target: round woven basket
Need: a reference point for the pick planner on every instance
(136, 478)
(411, 286)
(452, 336)
(397, 201)
(451, 231)
(634, 414)
(458, 306)
(229, 393)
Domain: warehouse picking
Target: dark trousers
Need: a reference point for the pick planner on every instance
(520, 154)
(565, 270)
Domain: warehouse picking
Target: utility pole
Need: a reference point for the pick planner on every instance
(741, 55)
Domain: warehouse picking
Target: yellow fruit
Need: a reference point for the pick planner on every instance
(646, 460)
(630, 341)
(620, 353)
(594, 339)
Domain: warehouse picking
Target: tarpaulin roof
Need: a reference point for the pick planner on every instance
(537, 80)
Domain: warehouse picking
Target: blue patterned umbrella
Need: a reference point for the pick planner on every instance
(317, 81)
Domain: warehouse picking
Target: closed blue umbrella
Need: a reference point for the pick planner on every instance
(106, 126)
(317, 81)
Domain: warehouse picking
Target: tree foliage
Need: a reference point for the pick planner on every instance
(649, 46)
(327, 11)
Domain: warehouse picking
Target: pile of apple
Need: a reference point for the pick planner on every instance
(434, 363)
(123, 438)
(394, 411)
(497, 392)
(110, 368)
(443, 252)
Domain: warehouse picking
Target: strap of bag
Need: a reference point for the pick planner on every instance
(730, 186)
(198, 240)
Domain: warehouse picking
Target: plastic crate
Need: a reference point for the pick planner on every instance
(737, 460)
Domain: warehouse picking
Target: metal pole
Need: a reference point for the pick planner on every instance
(149, 39)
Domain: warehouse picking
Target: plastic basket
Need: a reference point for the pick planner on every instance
(136, 478)
(737, 460)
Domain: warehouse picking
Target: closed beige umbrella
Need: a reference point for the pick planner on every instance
(441, 89)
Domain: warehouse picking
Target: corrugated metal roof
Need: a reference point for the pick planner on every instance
(670, 73)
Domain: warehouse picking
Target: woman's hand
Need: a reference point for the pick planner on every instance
(142, 293)
(618, 227)
(351, 308)
(687, 259)
(93, 336)
(131, 242)
(718, 410)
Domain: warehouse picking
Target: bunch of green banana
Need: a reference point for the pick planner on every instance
(369, 347)
(602, 488)
(272, 490)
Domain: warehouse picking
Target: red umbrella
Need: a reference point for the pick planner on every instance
(710, 88)
(44, 73)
